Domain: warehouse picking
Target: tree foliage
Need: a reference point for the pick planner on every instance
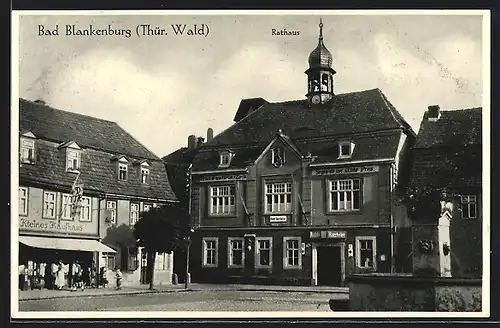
(162, 228)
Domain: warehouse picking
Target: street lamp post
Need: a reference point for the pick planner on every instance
(188, 246)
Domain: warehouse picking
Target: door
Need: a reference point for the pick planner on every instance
(249, 249)
(329, 265)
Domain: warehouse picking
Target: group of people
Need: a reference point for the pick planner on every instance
(37, 275)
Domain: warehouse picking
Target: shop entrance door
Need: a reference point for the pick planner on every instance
(329, 265)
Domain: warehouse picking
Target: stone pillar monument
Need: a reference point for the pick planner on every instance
(431, 243)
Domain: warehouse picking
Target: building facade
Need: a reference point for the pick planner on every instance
(63, 155)
(448, 154)
(301, 192)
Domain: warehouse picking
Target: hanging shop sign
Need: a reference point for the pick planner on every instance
(347, 170)
(327, 234)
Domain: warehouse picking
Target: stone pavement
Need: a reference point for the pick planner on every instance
(144, 289)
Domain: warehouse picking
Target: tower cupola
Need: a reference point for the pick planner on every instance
(320, 73)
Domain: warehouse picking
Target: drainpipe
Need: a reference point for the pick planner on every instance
(391, 183)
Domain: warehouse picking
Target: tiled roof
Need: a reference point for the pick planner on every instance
(101, 142)
(367, 147)
(58, 125)
(177, 174)
(347, 113)
(98, 173)
(246, 106)
(181, 155)
(453, 128)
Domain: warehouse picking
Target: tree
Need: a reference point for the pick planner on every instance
(160, 230)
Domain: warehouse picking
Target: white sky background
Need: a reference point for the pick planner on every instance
(163, 88)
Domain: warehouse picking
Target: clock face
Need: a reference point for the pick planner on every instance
(316, 99)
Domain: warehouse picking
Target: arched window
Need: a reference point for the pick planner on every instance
(324, 82)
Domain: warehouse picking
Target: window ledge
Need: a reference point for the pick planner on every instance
(292, 268)
(235, 266)
(222, 216)
(344, 212)
(72, 171)
(209, 266)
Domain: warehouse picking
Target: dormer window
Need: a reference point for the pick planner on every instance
(27, 152)
(72, 159)
(346, 149)
(122, 171)
(144, 175)
(225, 159)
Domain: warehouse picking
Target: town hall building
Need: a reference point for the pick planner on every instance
(302, 192)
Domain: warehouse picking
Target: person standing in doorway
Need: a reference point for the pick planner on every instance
(60, 281)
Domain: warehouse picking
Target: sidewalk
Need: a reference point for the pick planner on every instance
(53, 294)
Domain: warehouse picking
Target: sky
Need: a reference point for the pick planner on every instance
(163, 88)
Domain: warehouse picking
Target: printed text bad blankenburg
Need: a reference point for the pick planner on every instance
(110, 30)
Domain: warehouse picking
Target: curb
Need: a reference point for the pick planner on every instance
(142, 292)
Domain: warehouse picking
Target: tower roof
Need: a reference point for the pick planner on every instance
(320, 57)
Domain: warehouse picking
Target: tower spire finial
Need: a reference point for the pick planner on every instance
(320, 29)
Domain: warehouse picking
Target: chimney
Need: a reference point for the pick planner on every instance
(210, 134)
(199, 142)
(434, 113)
(192, 142)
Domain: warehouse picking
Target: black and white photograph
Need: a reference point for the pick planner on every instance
(218, 164)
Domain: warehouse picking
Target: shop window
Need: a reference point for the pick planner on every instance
(469, 207)
(236, 255)
(49, 205)
(263, 252)
(344, 195)
(109, 261)
(162, 262)
(278, 197)
(222, 200)
(292, 255)
(23, 200)
(210, 251)
(366, 252)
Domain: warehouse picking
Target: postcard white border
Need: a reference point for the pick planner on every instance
(15, 313)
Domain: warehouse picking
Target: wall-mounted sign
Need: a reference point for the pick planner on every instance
(64, 227)
(327, 234)
(231, 177)
(278, 218)
(347, 170)
(350, 250)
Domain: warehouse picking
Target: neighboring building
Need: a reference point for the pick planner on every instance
(448, 153)
(119, 176)
(301, 192)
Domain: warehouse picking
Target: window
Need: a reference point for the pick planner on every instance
(278, 197)
(109, 261)
(23, 201)
(346, 149)
(72, 159)
(27, 152)
(66, 207)
(49, 205)
(292, 255)
(278, 156)
(225, 159)
(132, 259)
(144, 175)
(222, 200)
(235, 252)
(210, 251)
(146, 207)
(263, 251)
(134, 213)
(86, 209)
(366, 252)
(162, 262)
(345, 195)
(122, 171)
(469, 207)
(111, 209)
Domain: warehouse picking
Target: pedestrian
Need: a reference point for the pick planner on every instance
(77, 276)
(60, 275)
(119, 277)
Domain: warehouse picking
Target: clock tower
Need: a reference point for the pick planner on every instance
(320, 73)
